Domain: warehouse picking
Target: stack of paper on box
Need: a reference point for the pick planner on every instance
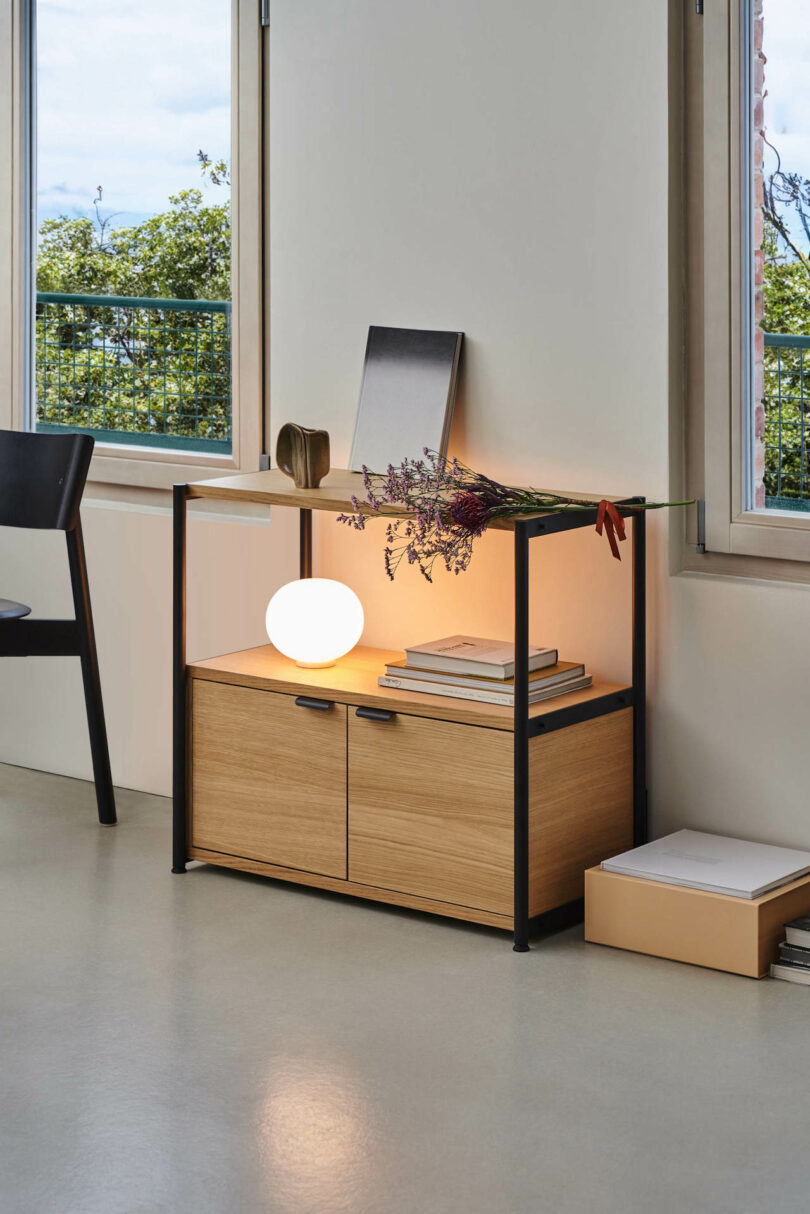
(471, 668)
(714, 863)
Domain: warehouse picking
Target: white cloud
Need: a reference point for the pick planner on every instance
(786, 45)
(126, 94)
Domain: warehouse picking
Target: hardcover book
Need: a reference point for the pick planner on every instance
(547, 676)
(488, 696)
(792, 952)
(475, 655)
(790, 972)
(798, 931)
(714, 863)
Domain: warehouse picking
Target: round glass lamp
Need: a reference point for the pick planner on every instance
(314, 621)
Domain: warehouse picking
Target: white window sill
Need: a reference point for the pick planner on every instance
(141, 500)
(140, 479)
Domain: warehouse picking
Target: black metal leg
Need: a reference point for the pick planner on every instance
(521, 741)
(305, 544)
(639, 678)
(179, 843)
(105, 796)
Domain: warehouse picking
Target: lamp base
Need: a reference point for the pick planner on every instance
(316, 665)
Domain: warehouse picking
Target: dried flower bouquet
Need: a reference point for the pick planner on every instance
(435, 508)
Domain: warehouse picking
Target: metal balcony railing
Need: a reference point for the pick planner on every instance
(787, 442)
(148, 372)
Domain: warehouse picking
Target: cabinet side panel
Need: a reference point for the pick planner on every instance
(430, 810)
(580, 805)
(268, 778)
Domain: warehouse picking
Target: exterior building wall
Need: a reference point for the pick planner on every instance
(758, 101)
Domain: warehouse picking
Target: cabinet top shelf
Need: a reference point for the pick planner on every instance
(353, 680)
(274, 488)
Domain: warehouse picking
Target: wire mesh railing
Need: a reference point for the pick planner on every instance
(148, 372)
(786, 366)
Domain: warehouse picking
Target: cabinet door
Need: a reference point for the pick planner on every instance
(430, 810)
(268, 778)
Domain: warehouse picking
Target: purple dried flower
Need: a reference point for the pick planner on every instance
(469, 512)
(435, 508)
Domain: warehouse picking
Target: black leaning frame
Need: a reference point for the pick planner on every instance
(525, 727)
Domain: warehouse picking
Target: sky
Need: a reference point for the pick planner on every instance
(786, 44)
(127, 92)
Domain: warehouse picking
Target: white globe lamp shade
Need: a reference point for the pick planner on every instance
(314, 621)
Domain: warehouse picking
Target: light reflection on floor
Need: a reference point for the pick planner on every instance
(316, 1136)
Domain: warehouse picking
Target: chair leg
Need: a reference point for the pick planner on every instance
(105, 797)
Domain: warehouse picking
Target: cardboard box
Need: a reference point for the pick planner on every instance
(740, 935)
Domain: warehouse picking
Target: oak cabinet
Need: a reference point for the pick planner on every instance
(430, 810)
(494, 822)
(268, 778)
(315, 782)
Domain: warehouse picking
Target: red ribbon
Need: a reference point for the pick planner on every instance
(609, 517)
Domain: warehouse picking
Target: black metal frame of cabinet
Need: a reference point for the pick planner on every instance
(525, 727)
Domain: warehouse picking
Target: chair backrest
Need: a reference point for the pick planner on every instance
(42, 478)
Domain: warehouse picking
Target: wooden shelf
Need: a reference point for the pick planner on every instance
(273, 488)
(354, 679)
(510, 819)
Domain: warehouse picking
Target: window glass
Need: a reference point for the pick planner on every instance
(132, 332)
(778, 98)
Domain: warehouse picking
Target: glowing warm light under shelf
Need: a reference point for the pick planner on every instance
(314, 621)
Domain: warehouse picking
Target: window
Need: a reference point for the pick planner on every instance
(746, 243)
(780, 101)
(138, 229)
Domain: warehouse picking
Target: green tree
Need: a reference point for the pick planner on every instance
(138, 368)
(786, 288)
(182, 253)
(786, 308)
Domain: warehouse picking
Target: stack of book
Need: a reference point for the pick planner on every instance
(472, 668)
(794, 953)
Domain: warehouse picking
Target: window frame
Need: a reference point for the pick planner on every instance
(142, 468)
(710, 216)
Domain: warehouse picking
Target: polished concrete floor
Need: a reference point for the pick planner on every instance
(216, 1042)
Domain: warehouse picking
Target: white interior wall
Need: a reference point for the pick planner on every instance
(498, 166)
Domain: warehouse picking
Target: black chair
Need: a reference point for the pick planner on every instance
(42, 478)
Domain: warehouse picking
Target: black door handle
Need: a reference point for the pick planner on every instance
(375, 714)
(308, 702)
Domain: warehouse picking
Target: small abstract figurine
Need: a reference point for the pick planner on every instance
(303, 454)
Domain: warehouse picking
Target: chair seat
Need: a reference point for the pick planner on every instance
(10, 610)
